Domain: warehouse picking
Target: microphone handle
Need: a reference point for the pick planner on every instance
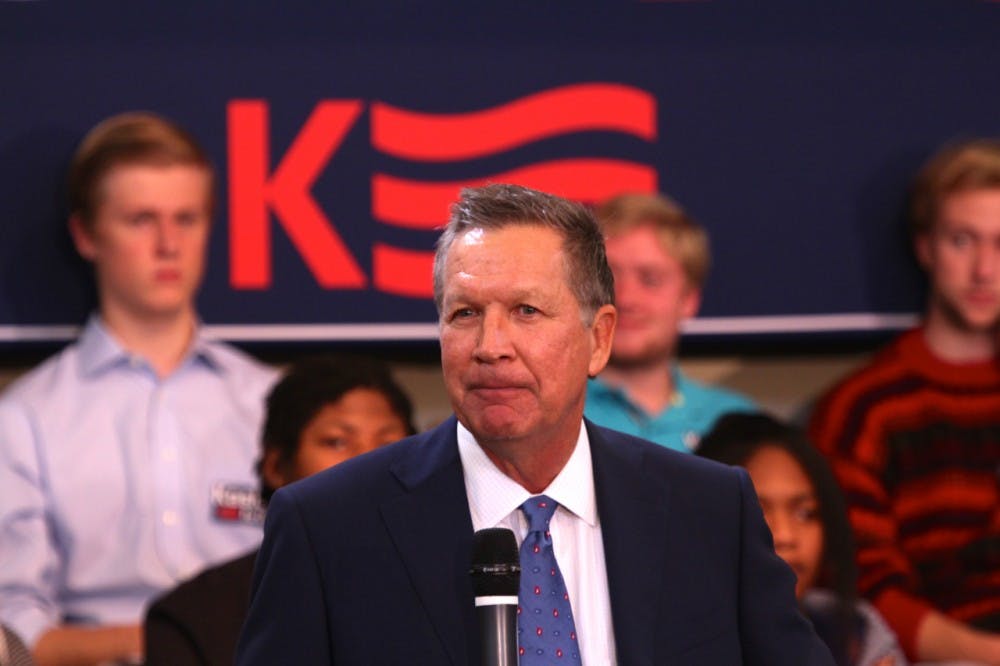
(498, 629)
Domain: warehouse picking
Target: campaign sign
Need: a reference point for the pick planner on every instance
(342, 134)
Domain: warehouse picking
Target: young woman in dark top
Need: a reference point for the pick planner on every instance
(805, 510)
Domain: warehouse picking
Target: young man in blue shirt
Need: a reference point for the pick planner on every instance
(660, 258)
(126, 460)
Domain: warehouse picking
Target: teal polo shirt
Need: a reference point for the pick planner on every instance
(691, 413)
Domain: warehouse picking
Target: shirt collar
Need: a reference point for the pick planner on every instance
(99, 350)
(204, 349)
(680, 382)
(493, 495)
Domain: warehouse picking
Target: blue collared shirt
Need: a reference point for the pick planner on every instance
(115, 484)
(692, 411)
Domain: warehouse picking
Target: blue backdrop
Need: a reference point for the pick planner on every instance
(340, 133)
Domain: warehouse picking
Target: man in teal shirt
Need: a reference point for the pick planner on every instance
(660, 259)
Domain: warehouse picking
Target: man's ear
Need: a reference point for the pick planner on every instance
(271, 469)
(602, 333)
(82, 237)
(690, 302)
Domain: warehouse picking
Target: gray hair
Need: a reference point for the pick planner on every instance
(499, 205)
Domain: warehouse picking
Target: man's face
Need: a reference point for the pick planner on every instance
(514, 349)
(962, 257)
(652, 295)
(148, 237)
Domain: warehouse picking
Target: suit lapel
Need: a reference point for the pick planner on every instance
(633, 523)
(431, 528)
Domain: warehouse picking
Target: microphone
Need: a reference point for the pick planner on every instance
(496, 577)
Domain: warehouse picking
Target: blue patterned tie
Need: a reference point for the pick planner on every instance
(545, 630)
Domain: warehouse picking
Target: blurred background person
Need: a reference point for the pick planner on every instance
(126, 460)
(914, 435)
(660, 259)
(322, 412)
(805, 511)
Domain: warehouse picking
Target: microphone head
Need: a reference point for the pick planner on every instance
(496, 564)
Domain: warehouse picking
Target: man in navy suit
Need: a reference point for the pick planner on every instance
(665, 558)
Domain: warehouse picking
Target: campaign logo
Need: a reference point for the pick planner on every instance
(236, 503)
(255, 193)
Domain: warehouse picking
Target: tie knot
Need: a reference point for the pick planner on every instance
(538, 510)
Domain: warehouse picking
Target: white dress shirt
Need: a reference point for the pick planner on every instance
(495, 500)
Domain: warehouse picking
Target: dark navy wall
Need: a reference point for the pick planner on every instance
(790, 130)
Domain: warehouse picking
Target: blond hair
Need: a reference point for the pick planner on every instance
(680, 235)
(134, 138)
(959, 167)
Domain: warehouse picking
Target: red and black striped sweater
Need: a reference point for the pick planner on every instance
(915, 444)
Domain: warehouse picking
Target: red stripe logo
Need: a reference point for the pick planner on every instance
(422, 137)
(585, 107)
(260, 191)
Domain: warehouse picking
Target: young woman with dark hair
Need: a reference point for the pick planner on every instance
(805, 510)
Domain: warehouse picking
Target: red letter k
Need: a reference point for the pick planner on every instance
(287, 192)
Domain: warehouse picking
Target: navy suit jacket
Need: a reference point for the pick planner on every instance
(367, 563)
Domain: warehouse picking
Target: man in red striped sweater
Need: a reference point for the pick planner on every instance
(914, 436)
